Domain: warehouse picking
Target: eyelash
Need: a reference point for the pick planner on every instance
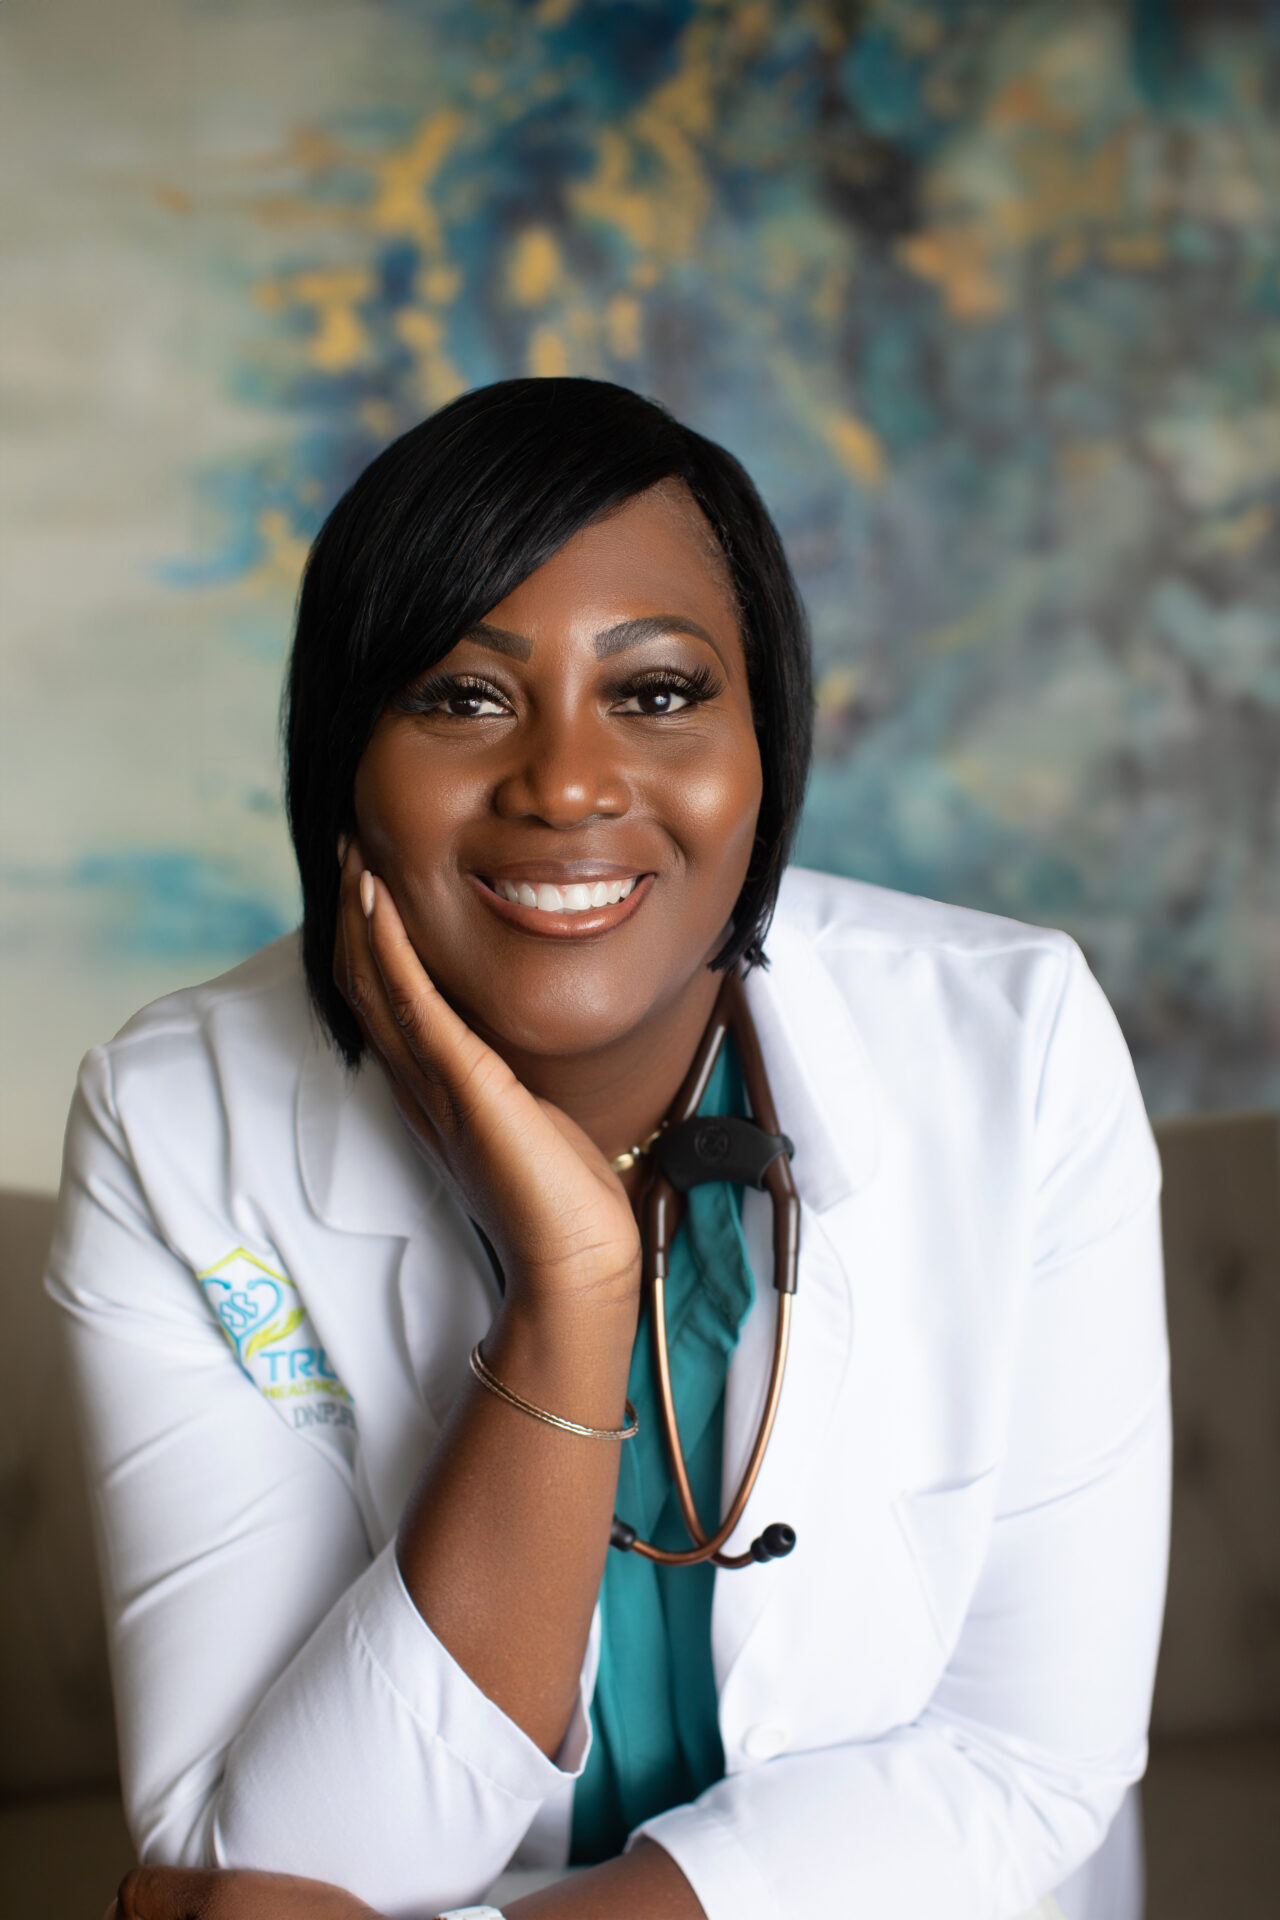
(432, 694)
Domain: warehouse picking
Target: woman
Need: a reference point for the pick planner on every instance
(548, 732)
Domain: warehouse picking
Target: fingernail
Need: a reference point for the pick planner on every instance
(344, 841)
(366, 893)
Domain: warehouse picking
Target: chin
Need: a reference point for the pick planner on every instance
(559, 1003)
(563, 1012)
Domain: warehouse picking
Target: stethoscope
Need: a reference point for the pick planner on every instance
(690, 1150)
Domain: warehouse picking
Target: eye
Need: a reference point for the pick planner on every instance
(454, 698)
(470, 706)
(655, 700)
(659, 694)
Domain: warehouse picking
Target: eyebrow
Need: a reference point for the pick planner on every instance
(500, 640)
(615, 639)
(631, 633)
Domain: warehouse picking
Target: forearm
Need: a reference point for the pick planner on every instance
(645, 1884)
(502, 1545)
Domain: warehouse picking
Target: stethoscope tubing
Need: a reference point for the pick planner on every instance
(731, 1013)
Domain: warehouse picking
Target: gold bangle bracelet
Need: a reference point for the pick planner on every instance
(494, 1385)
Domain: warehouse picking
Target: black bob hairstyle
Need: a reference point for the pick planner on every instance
(441, 527)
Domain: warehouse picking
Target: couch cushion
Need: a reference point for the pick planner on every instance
(53, 1665)
(1220, 1655)
(63, 1858)
(1211, 1809)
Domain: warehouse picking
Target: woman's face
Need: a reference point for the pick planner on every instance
(592, 738)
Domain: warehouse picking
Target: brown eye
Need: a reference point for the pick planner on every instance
(655, 700)
(469, 706)
(454, 699)
(654, 695)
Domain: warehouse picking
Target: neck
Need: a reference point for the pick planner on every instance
(618, 1094)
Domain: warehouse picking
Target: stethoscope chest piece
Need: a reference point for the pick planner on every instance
(719, 1147)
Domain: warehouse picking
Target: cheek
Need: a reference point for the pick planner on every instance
(714, 809)
(404, 819)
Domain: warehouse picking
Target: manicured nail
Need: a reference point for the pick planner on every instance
(366, 893)
(344, 841)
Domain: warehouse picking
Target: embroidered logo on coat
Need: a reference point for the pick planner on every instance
(266, 1322)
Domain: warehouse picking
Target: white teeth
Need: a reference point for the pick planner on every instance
(579, 897)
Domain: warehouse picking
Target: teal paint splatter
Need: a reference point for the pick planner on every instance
(156, 904)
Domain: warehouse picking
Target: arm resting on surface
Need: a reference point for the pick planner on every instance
(644, 1885)
(1012, 1774)
(262, 1659)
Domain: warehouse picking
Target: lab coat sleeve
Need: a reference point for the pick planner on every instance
(1009, 1778)
(266, 1667)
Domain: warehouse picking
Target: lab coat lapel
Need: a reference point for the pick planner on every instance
(363, 1176)
(823, 1087)
(360, 1170)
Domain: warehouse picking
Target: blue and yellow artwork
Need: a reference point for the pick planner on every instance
(986, 296)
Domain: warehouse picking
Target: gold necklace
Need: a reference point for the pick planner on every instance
(623, 1162)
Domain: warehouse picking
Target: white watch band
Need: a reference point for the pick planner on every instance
(471, 1913)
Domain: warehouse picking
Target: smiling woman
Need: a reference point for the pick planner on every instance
(437, 596)
(413, 1276)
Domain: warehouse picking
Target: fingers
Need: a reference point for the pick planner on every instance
(164, 1893)
(430, 1054)
(356, 969)
(353, 971)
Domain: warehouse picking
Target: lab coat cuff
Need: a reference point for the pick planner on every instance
(444, 1698)
(710, 1854)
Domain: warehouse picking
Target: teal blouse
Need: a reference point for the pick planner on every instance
(656, 1733)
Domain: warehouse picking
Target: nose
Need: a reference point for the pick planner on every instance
(564, 771)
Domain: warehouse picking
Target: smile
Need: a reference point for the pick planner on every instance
(566, 908)
(576, 898)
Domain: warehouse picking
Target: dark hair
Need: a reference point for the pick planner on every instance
(448, 521)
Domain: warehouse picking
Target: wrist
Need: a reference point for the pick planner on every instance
(572, 1364)
(568, 1291)
(594, 1329)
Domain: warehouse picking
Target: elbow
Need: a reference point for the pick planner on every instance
(1059, 1816)
(176, 1829)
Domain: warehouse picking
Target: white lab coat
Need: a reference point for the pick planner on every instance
(934, 1707)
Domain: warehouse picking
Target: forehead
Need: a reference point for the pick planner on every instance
(654, 554)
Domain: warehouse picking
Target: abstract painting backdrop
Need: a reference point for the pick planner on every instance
(986, 296)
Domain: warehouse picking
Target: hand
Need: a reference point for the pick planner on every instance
(542, 1192)
(191, 1893)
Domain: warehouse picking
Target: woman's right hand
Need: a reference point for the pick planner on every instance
(544, 1195)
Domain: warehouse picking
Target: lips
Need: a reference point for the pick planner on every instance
(563, 901)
